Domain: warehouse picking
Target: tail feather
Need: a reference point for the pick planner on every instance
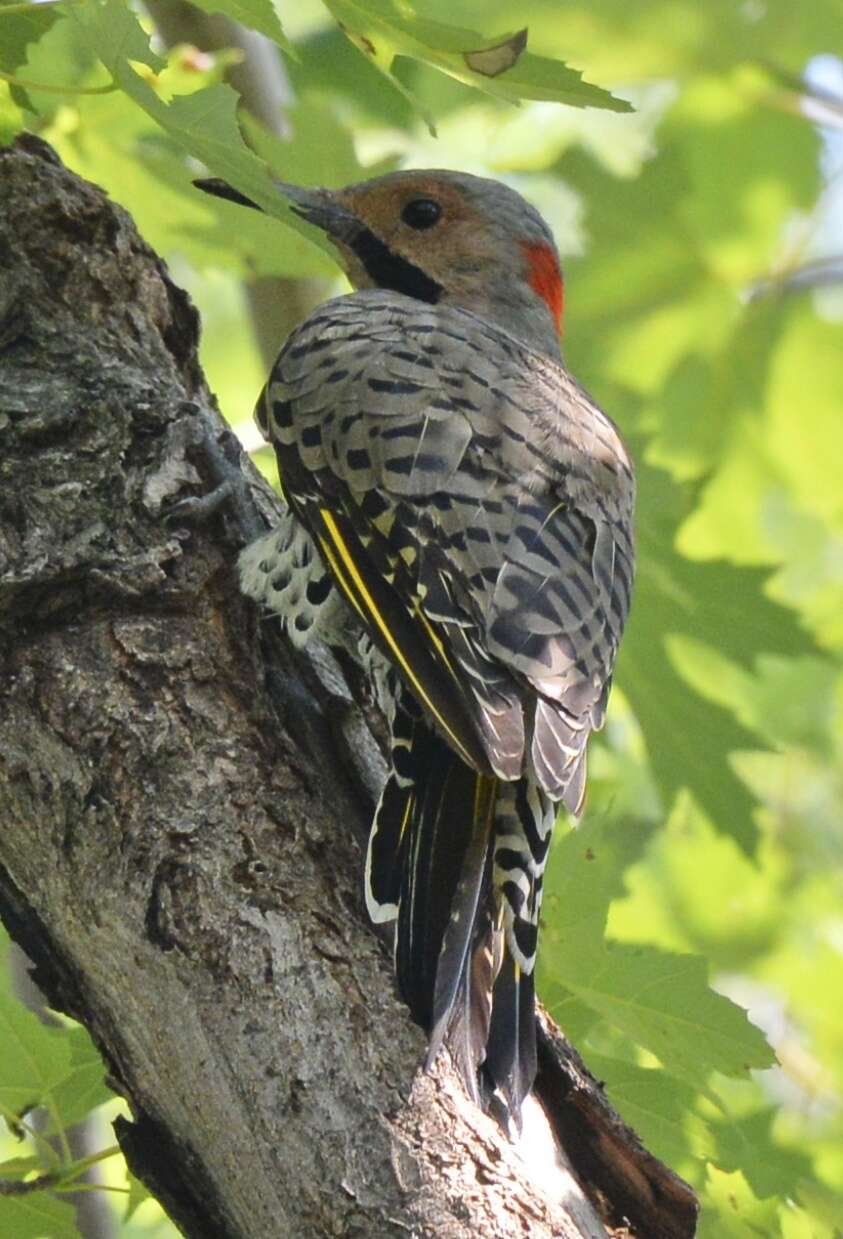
(471, 1014)
(441, 834)
(458, 857)
(510, 1065)
(463, 986)
(389, 833)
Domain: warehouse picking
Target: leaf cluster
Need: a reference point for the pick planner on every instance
(705, 878)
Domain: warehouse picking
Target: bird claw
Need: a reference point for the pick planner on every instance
(197, 509)
(219, 453)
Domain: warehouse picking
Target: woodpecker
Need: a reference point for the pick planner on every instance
(460, 518)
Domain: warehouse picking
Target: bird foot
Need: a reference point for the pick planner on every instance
(217, 452)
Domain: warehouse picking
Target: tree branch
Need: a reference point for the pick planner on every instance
(182, 801)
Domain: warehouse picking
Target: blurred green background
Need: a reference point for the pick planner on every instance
(702, 241)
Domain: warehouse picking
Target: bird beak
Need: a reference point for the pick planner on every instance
(317, 206)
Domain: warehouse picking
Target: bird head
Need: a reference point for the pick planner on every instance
(441, 237)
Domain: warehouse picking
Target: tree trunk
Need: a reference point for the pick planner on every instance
(183, 801)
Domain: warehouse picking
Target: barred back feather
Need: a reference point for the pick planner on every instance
(457, 499)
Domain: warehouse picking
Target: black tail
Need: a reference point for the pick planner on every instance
(431, 864)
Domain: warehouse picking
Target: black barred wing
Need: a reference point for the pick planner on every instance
(476, 508)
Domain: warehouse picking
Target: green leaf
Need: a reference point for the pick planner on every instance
(586, 872)
(495, 65)
(675, 37)
(117, 37)
(19, 30)
(663, 1003)
(318, 151)
(34, 1058)
(704, 397)
(747, 1144)
(700, 365)
(259, 244)
(331, 65)
(810, 350)
(540, 78)
(659, 1000)
(255, 14)
(734, 146)
(11, 118)
(137, 1195)
(84, 1088)
(60, 59)
(121, 147)
(690, 234)
(732, 1211)
(691, 875)
(658, 1107)
(826, 1212)
(37, 1216)
(18, 1167)
(689, 738)
(808, 967)
(56, 1067)
(203, 124)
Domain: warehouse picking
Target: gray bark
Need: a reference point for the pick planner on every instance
(182, 803)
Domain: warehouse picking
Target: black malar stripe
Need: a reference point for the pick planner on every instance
(389, 270)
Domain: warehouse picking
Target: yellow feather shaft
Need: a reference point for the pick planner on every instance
(373, 615)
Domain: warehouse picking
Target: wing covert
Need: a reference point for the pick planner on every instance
(484, 503)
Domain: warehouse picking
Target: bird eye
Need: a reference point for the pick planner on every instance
(421, 213)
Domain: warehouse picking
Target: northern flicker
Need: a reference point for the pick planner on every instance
(460, 518)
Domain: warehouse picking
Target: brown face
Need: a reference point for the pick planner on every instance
(439, 236)
(424, 220)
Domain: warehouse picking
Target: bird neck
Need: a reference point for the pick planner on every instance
(518, 307)
(523, 297)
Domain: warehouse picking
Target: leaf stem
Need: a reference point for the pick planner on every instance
(71, 1188)
(85, 1163)
(24, 1187)
(56, 90)
(61, 1134)
(41, 1142)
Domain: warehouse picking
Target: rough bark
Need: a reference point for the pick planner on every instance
(182, 803)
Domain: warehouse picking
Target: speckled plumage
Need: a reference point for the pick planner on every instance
(499, 496)
(448, 477)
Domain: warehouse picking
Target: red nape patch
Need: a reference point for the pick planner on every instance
(545, 277)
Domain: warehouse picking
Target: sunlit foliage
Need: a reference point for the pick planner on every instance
(705, 878)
